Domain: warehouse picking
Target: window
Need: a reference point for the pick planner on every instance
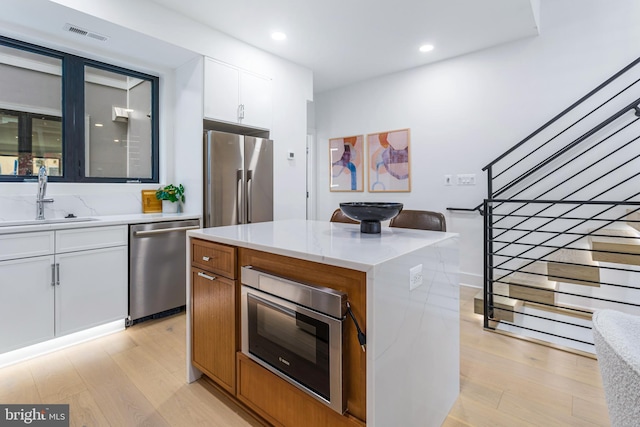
(43, 93)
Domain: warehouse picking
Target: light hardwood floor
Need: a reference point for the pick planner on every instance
(137, 378)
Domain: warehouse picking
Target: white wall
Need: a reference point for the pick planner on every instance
(292, 88)
(150, 35)
(466, 111)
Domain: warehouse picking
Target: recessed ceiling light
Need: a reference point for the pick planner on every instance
(98, 125)
(277, 35)
(426, 48)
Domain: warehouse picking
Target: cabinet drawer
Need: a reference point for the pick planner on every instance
(23, 245)
(80, 239)
(214, 257)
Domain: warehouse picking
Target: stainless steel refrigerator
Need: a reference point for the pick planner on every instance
(238, 179)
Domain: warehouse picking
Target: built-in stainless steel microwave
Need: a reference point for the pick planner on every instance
(295, 331)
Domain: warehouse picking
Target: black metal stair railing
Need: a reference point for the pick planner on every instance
(562, 220)
(568, 297)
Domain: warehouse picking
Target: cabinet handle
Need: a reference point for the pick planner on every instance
(205, 258)
(53, 274)
(57, 274)
(206, 276)
(241, 111)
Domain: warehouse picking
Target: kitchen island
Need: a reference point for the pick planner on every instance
(409, 286)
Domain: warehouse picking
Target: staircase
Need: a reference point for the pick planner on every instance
(562, 220)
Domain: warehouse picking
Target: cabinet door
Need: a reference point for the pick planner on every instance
(255, 97)
(214, 327)
(92, 290)
(26, 302)
(221, 83)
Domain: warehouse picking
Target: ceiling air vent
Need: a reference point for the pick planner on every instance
(82, 32)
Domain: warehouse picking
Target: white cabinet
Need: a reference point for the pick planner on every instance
(80, 283)
(92, 289)
(26, 302)
(236, 96)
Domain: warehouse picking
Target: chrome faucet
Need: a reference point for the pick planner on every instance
(42, 191)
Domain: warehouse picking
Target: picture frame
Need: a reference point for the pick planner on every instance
(389, 161)
(346, 163)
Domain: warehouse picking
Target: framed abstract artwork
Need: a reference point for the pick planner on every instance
(389, 159)
(346, 156)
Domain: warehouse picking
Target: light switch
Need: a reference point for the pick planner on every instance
(466, 179)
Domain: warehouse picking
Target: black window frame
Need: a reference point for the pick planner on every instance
(72, 106)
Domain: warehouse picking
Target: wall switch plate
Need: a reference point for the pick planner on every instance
(290, 155)
(466, 179)
(448, 180)
(415, 277)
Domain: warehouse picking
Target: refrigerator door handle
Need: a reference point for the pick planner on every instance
(239, 196)
(249, 192)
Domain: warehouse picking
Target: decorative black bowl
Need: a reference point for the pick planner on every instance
(370, 214)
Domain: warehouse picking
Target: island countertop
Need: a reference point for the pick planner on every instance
(412, 307)
(338, 244)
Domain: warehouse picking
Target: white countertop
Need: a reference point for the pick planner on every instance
(96, 221)
(331, 243)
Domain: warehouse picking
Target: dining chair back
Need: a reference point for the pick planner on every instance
(339, 216)
(420, 220)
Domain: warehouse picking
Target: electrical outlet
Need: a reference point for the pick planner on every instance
(415, 277)
(448, 180)
(466, 179)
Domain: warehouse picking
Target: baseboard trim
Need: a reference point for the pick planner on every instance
(471, 280)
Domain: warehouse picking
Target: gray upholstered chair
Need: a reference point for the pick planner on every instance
(617, 339)
(421, 220)
(339, 216)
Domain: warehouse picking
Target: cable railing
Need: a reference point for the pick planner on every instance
(543, 301)
(562, 220)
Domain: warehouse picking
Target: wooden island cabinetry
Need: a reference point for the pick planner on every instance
(265, 392)
(409, 374)
(214, 296)
(216, 281)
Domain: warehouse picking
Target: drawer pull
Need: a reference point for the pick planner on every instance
(206, 276)
(205, 258)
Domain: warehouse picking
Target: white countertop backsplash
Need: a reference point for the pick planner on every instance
(107, 207)
(21, 207)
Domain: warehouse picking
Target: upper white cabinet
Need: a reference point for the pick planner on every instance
(236, 96)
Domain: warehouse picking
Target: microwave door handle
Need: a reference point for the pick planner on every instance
(249, 193)
(239, 196)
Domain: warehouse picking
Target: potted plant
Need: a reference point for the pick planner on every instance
(171, 197)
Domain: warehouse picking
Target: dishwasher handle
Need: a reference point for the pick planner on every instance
(163, 231)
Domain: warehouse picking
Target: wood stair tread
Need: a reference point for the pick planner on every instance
(583, 270)
(536, 284)
(508, 304)
(534, 274)
(620, 245)
(633, 218)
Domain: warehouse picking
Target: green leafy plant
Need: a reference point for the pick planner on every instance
(171, 193)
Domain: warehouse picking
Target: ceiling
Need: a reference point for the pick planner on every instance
(341, 41)
(345, 41)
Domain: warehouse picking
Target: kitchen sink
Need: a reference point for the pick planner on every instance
(44, 221)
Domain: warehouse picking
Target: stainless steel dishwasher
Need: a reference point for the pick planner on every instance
(157, 267)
